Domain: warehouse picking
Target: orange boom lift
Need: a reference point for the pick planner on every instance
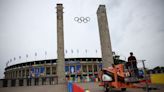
(117, 76)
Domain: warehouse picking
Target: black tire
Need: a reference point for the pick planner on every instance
(106, 86)
(123, 89)
(106, 89)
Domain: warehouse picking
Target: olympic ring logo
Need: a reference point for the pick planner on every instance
(82, 19)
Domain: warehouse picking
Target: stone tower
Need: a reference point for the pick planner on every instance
(60, 45)
(106, 49)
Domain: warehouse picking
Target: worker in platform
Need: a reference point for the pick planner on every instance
(132, 63)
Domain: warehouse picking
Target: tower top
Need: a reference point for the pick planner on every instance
(59, 6)
(101, 9)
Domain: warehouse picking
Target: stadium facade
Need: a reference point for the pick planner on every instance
(76, 69)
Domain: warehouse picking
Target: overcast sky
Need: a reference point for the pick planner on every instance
(29, 26)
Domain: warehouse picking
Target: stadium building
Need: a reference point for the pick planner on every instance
(76, 69)
(43, 72)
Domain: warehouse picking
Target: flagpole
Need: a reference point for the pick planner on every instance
(77, 52)
(35, 55)
(72, 52)
(86, 52)
(45, 54)
(65, 52)
(26, 57)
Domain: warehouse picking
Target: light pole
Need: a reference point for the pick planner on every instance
(145, 75)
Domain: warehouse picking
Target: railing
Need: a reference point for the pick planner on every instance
(29, 81)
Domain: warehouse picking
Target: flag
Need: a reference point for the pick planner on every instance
(35, 54)
(26, 55)
(86, 50)
(10, 60)
(96, 50)
(77, 51)
(7, 63)
(45, 52)
(66, 51)
(71, 50)
(14, 58)
(19, 57)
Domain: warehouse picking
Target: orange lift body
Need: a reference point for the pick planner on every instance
(118, 74)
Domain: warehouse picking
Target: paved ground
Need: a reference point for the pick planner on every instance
(42, 88)
(93, 87)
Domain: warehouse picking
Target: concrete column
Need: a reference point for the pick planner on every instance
(18, 73)
(40, 81)
(106, 48)
(60, 45)
(25, 73)
(17, 83)
(9, 83)
(14, 74)
(48, 81)
(45, 68)
(21, 73)
(32, 81)
(51, 70)
(87, 70)
(45, 72)
(9, 74)
(24, 82)
(93, 69)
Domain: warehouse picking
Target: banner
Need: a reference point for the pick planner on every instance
(78, 68)
(37, 71)
(72, 69)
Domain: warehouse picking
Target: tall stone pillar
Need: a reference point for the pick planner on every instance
(60, 45)
(106, 49)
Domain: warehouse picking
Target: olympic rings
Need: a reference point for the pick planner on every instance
(82, 19)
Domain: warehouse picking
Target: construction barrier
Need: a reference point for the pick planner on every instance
(73, 87)
(77, 88)
(157, 78)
